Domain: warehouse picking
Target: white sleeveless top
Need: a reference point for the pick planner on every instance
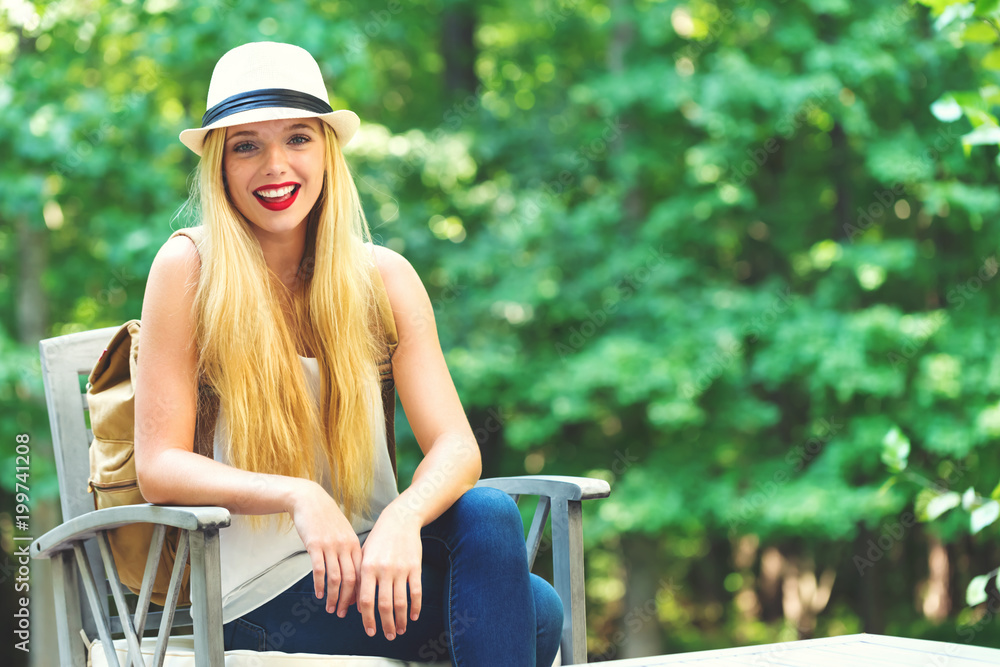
(257, 566)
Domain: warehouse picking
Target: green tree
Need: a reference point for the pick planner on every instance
(716, 251)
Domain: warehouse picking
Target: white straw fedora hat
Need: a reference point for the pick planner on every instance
(268, 81)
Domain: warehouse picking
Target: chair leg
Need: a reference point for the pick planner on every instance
(72, 652)
(206, 598)
(567, 571)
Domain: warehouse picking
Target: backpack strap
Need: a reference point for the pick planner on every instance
(208, 401)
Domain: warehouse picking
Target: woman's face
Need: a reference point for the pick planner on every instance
(274, 171)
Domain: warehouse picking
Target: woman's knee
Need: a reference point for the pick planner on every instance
(548, 620)
(549, 613)
(490, 514)
(483, 503)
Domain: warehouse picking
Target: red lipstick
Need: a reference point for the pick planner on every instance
(277, 203)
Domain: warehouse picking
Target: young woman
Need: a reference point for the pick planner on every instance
(275, 310)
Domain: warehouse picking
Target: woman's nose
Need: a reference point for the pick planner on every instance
(276, 161)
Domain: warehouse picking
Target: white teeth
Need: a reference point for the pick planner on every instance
(279, 192)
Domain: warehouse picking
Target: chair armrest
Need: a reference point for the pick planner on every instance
(87, 525)
(561, 496)
(553, 486)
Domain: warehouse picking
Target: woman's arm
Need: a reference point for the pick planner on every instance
(451, 464)
(168, 470)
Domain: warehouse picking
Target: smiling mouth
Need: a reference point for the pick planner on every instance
(277, 195)
(277, 198)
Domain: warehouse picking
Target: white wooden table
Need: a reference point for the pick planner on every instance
(862, 650)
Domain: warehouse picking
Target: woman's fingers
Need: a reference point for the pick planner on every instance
(385, 608)
(356, 559)
(319, 571)
(348, 581)
(332, 580)
(366, 602)
(399, 603)
(416, 595)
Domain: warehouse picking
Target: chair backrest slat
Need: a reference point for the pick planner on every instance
(66, 365)
(64, 360)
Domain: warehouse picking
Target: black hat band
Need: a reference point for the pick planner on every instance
(263, 99)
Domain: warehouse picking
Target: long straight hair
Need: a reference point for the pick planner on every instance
(248, 355)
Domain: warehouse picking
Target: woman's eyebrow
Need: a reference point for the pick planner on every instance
(253, 133)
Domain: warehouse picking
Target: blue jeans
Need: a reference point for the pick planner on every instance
(481, 604)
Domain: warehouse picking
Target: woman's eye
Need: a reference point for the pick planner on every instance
(245, 147)
(297, 137)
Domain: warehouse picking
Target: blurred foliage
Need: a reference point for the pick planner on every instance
(974, 23)
(728, 255)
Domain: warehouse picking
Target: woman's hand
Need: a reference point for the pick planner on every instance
(331, 542)
(390, 560)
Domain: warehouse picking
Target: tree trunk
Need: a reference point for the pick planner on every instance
(31, 305)
(869, 602)
(640, 625)
(458, 47)
(840, 166)
(31, 308)
(621, 39)
(937, 596)
(487, 426)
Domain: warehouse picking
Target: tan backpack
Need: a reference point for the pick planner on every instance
(113, 480)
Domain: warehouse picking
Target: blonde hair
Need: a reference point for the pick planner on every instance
(248, 356)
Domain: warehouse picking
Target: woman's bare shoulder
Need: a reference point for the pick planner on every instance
(178, 256)
(170, 290)
(400, 279)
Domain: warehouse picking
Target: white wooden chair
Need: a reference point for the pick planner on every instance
(85, 576)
